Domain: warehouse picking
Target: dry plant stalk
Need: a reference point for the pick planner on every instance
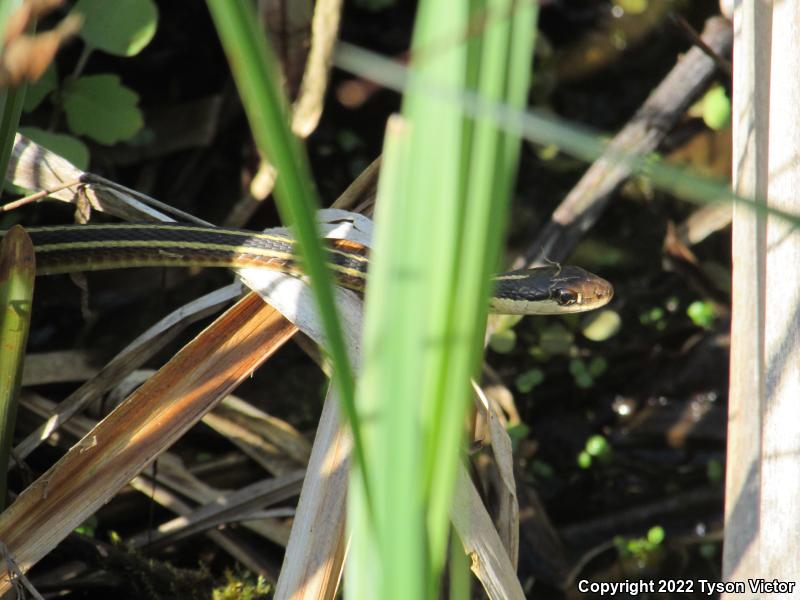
(306, 109)
(142, 427)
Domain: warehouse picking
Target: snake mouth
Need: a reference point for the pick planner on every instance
(598, 292)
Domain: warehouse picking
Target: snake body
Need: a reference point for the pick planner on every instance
(65, 249)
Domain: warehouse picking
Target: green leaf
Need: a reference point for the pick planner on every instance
(708, 551)
(556, 339)
(597, 366)
(122, 27)
(17, 271)
(701, 313)
(716, 108)
(529, 380)
(577, 367)
(503, 341)
(543, 470)
(584, 380)
(656, 535)
(100, 107)
(517, 433)
(597, 445)
(11, 101)
(633, 7)
(39, 89)
(88, 527)
(654, 315)
(715, 471)
(601, 325)
(71, 148)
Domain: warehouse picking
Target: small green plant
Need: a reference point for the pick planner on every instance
(655, 317)
(97, 106)
(586, 374)
(556, 339)
(641, 548)
(529, 380)
(601, 325)
(597, 449)
(242, 587)
(715, 471)
(632, 7)
(701, 313)
(88, 527)
(517, 432)
(504, 338)
(714, 108)
(708, 550)
(542, 470)
(503, 341)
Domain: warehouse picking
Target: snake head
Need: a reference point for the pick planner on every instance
(550, 290)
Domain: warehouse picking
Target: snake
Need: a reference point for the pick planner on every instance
(548, 290)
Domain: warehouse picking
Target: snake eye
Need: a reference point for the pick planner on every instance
(565, 297)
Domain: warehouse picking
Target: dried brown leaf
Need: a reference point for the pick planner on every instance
(27, 56)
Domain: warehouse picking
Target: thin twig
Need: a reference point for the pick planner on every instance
(584, 204)
(37, 196)
(722, 63)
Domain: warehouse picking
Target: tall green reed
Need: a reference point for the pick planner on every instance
(439, 220)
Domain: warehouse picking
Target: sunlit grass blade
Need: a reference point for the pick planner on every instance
(258, 79)
(544, 129)
(439, 220)
(487, 185)
(17, 273)
(384, 393)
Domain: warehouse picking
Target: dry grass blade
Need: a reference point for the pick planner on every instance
(274, 444)
(145, 425)
(483, 545)
(236, 506)
(175, 483)
(502, 477)
(34, 167)
(314, 557)
(132, 357)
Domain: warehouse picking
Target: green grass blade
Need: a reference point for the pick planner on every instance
(11, 100)
(384, 391)
(12, 103)
(487, 189)
(257, 78)
(439, 150)
(17, 273)
(540, 128)
(439, 220)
